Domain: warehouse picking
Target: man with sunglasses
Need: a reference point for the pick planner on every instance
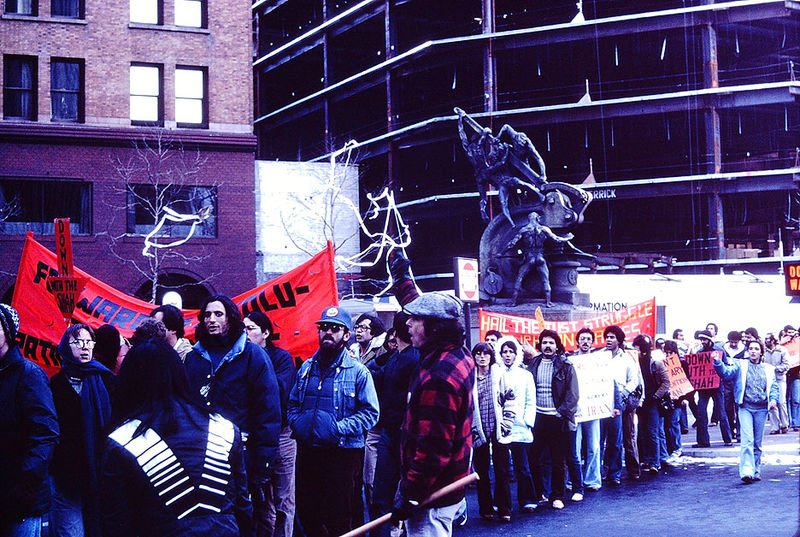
(331, 407)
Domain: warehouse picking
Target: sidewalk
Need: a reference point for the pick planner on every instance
(776, 449)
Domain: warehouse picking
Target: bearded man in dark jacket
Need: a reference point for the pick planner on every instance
(235, 378)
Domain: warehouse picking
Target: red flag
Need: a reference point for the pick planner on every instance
(293, 302)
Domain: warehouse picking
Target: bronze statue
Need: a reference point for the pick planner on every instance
(489, 156)
(531, 239)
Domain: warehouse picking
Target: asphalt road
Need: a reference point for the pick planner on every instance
(699, 497)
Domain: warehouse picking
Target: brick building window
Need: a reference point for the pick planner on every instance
(147, 106)
(147, 11)
(190, 13)
(66, 90)
(146, 203)
(37, 203)
(22, 7)
(19, 87)
(191, 104)
(72, 9)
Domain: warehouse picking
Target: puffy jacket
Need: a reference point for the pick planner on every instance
(565, 387)
(189, 482)
(243, 388)
(30, 432)
(518, 398)
(344, 408)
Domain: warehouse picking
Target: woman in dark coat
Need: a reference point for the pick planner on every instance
(81, 393)
(170, 468)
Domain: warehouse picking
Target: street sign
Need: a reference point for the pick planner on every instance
(791, 272)
(466, 276)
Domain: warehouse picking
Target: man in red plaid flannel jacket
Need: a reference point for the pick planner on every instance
(436, 439)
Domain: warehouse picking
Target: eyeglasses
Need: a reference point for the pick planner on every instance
(83, 343)
(362, 327)
(333, 328)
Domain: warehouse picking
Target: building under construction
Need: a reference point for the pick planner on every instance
(680, 116)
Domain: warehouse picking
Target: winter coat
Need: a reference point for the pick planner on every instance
(190, 482)
(345, 406)
(243, 388)
(564, 386)
(517, 399)
(738, 372)
(30, 432)
(391, 384)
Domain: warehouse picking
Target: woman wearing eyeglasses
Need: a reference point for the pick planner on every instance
(81, 393)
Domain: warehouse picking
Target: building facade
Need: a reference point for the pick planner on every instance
(115, 113)
(681, 116)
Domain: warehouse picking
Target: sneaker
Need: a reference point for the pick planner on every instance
(593, 489)
(577, 497)
(504, 518)
(529, 507)
(756, 478)
(461, 520)
(558, 504)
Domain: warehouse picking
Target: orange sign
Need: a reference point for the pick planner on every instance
(634, 320)
(292, 301)
(678, 383)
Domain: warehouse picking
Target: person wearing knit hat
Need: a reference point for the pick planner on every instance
(30, 433)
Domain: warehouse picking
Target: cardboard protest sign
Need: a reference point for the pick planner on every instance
(701, 370)
(292, 301)
(679, 385)
(634, 320)
(595, 385)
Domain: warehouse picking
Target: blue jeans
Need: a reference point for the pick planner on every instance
(387, 476)
(672, 430)
(590, 432)
(751, 422)
(66, 514)
(611, 443)
(702, 415)
(574, 463)
(649, 441)
(27, 527)
(794, 403)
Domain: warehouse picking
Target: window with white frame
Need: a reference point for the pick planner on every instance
(191, 104)
(146, 103)
(190, 13)
(146, 11)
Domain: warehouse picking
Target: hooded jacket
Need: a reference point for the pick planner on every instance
(518, 399)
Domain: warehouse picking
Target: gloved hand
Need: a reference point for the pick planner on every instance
(399, 266)
(403, 510)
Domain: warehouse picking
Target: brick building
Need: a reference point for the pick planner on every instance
(110, 106)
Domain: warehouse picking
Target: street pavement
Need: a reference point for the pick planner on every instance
(702, 495)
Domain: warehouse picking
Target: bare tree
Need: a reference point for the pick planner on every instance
(162, 199)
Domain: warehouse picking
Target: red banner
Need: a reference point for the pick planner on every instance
(793, 351)
(292, 301)
(634, 320)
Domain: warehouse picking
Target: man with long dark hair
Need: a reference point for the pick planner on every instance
(235, 378)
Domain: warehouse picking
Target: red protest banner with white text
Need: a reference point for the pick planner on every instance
(634, 320)
(292, 301)
(701, 371)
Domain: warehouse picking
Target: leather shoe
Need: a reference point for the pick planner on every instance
(700, 445)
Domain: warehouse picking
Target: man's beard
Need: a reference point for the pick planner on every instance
(327, 353)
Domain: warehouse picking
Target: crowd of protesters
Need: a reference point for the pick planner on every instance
(228, 436)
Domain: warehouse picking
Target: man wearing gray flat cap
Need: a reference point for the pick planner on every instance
(436, 439)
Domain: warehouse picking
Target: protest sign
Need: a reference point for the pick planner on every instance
(679, 385)
(634, 320)
(793, 351)
(701, 370)
(292, 301)
(595, 385)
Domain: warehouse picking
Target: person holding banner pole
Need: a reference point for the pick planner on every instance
(756, 392)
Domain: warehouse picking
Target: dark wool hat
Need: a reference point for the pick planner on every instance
(9, 318)
(437, 305)
(704, 334)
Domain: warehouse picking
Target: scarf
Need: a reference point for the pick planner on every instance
(95, 411)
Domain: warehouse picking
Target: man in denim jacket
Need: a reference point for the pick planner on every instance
(331, 407)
